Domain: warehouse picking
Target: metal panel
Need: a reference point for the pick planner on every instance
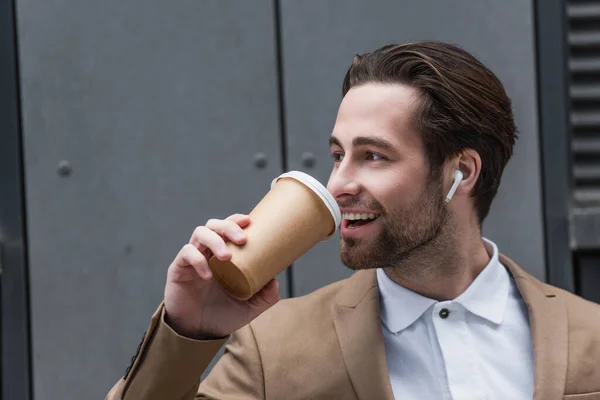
(159, 109)
(585, 226)
(584, 95)
(320, 38)
(584, 68)
(15, 377)
(588, 275)
(555, 138)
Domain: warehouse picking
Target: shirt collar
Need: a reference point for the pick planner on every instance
(399, 306)
(488, 294)
(486, 297)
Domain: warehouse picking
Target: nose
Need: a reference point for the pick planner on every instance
(342, 182)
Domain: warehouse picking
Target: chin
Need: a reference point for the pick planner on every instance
(354, 266)
(356, 256)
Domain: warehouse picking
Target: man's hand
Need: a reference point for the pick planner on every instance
(196, 305)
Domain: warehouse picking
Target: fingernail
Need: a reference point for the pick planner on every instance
(207, 274)
(238, 236)
(224, 251)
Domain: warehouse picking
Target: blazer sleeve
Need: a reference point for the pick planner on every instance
(169, 366)
(239, 373)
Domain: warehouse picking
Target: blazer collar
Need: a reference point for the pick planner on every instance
(549, 332)
(358, 326)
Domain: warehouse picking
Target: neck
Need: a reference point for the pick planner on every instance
(445, 267)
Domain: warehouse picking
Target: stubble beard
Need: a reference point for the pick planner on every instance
(407, 233)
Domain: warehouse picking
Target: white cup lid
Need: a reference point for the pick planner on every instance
(319, 189)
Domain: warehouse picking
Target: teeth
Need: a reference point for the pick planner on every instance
(358, 216)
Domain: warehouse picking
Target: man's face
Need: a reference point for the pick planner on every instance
(380, 169)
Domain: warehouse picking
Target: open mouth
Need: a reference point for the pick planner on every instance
(351, 220)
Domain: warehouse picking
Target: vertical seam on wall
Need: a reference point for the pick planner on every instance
(541, 125)
(282, 114)
(22, 188)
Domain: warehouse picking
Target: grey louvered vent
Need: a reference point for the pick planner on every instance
(584, 68)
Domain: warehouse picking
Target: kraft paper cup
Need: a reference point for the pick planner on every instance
(296, 214)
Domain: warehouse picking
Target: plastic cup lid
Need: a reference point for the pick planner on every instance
(319, 189)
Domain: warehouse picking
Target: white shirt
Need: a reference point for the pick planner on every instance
(481, 350)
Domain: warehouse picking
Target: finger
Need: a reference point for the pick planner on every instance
(242, 220)
(204, 238)
(267, 296)
(190, 256)
(228, 229)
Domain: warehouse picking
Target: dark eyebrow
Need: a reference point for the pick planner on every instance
(364, 141)
(334, 141)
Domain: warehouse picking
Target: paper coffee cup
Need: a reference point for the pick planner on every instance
(296, 214)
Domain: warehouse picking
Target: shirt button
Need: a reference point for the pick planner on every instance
(444, 313)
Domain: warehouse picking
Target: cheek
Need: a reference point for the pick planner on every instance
(400, 190)
(390, 191)
(415, 178)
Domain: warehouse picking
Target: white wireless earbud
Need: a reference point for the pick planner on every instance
(458, 176)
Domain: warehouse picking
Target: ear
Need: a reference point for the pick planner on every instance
(469, 163)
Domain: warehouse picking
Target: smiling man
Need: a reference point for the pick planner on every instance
(434, 311)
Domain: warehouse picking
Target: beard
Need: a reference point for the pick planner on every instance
(405, 232)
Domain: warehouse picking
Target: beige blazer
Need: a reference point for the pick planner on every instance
(329, 345)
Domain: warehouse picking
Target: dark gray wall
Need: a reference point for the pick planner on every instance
(321, 36)
(159, 107)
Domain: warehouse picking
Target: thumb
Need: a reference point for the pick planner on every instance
(267, 297)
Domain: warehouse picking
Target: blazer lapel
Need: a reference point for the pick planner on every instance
(549, 331)
(358, 327)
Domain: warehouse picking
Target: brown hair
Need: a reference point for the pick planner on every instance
(463, 105)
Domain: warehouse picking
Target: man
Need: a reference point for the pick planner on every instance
(422, 136)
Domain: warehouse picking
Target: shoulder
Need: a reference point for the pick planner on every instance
(583, 318)
(583, 315)
(584, 321)
(556, 306)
